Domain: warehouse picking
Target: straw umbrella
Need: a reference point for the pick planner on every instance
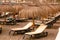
(32, 12)
(6, 8)
(17, 9)
(53, 7)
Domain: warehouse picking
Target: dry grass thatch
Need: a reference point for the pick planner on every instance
(42, 11)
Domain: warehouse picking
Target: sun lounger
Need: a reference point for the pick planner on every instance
(4, 14)
(58, 35)
(49, 22)
(39, 31)
(23, 29)
(21, 19)
(57, 14)
(10, 21)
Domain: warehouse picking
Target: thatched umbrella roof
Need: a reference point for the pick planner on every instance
(17, 8)
(6, 8)
(55, 9)
(28, 12)
(11, 8)
(48, 10)
(42, 11)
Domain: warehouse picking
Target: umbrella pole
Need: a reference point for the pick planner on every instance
(14, 15)
(33, 20)
(18, 13)
(5, 17)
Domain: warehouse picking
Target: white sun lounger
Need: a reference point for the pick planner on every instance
(57, 14)
(58, 35)
(39, 30)
(25, 28)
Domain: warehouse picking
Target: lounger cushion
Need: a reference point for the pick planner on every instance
(40, 29)
(25, 27)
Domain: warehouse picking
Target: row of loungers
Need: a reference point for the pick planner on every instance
(26, 30)
(52, 20)
(39, 32)
(48, 22)
(11, 21)
(3, 22)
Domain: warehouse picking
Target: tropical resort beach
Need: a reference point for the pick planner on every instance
(29, 19)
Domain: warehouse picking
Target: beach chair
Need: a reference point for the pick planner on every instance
(49, 22)
(39, 32)
(58, 35)
(10, 21)
(23, 29)
(4, 14)
(21, 20)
